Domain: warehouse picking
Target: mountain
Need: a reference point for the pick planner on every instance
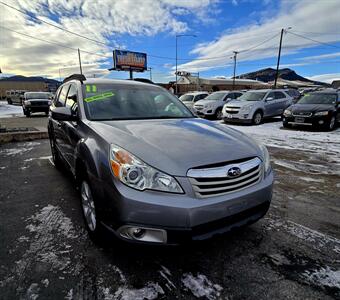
(268, 75)
(30, 79)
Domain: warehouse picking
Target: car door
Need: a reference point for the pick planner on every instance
(282, 102)
(270, 106)
(58, 134)
(70, 128)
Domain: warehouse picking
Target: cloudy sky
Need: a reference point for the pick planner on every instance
(251, 27)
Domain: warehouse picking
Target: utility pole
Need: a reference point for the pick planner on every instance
(279, 56)
(177, 36)
(81, 70)
(235, 58)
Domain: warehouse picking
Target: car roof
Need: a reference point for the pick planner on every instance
(114, 81)
(326, 91)
(195, 93)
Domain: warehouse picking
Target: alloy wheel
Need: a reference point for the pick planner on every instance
(257, 118)
(88, 206)
(219, 115)
(332, 123)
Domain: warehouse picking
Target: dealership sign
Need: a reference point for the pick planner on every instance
(129, 61)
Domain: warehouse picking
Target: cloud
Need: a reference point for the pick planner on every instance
(321, 57)
(301, 15)
(329, 78)
(103, 20)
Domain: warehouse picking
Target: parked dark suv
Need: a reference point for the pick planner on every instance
(319, 109)
(148, 170)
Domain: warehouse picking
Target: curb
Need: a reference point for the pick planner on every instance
(9, 137)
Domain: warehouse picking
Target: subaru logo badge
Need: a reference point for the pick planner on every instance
(234, 172)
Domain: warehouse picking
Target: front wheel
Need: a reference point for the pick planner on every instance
(27, 113)
(331, 124)
(90, 215)
(257, 118)
(219, 114)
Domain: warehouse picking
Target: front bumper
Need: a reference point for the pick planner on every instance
(204, 111)
(183, 216)
(37, 108)
(237, 118)
(312, 121)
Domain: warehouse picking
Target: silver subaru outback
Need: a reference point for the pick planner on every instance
(148, 170)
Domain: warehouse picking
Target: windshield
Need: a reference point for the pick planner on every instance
(37, 95)
(252, 96)
(318, 99)
(215, 96)
(186, 98)
(130, 102)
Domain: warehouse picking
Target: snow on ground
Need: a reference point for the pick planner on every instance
(8, 111)
(273, 135)
(324, 277)
(201, 286)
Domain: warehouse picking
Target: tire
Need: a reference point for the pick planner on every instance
(218, 114)
(90, 212)
(55, 155)
(257, 118)
(9, 101)
(332, 124)
(27, 113)
(286, 125)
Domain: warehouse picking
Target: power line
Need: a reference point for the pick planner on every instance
(313, 40)
(53, 43)
(56, 26)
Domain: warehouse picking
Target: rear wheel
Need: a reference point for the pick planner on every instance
(27, 113)
(257, 118)
(55, 155)
(9, 101)
(286, 125)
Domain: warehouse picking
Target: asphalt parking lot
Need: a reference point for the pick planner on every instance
(293, 253)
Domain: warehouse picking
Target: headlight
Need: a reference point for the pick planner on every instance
(137, 174)
(287, 113)
(266, 158)
(246, 109)
(321, 113)
(27, 102)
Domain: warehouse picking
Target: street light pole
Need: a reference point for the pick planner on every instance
(177, 36)
(150, 69)
(235, 58)
(283, 30)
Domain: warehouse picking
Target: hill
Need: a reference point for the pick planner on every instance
(268, 74)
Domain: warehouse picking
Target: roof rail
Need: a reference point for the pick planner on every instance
(79, 77)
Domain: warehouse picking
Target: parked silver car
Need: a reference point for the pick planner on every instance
(255, 105)
(212, 105)
(189, 99)
(148, 170)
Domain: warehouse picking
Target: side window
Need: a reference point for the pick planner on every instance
(56, 96)
(72, 98)
(237, 95)
(271, 96)
(279, 95)
(62, 96)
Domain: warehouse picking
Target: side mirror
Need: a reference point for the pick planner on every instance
(63, 114)
(73, 97)
(229, 99)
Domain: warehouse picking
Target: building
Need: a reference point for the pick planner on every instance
(187, 83)
(33, 84)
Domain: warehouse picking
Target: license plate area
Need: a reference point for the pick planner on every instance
(229, 116)
(299, 120)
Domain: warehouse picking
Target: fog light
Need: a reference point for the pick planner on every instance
(245, 116)
(142, 234)
(321, 122)
(138, 232)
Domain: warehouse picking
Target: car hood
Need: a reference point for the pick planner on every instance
(176, 145)
(303, 108)
(206, 102)
(238, 103)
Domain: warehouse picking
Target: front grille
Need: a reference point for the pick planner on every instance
(232, 110)
(302, 114)
(209, 182)
(39, 103)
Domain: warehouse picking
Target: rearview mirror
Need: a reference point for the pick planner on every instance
(63, 114)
